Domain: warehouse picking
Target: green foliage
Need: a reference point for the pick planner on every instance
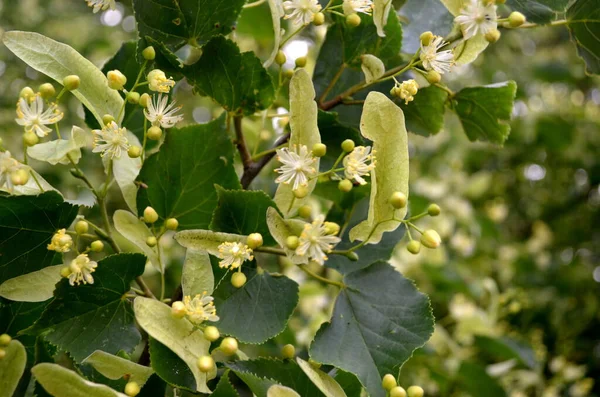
(12, 366)
(224, 387)
(61, 382)
(425, 115)
(475, 380)
(583, 20)
(538, 11)
(170, 367)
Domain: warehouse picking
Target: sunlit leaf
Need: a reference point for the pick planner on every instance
(136, 231)
(62, 382)
(281, 229)
(115, 367)
(372, 67)
(197, 275)
(323, 381)
(207, 240)
(55, 152)
(281, 391)
(12, 366)
(36, 286)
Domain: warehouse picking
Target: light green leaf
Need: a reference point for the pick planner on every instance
(281, 229)
(468, 51)
(61, 382)
(382, 122)
(197, 275)
(12, 367)
(281, 391)
(36, 286)
(179, 335)
(304, 131)
(31, 188)
(125, 171)
(277, 13)
(55, 152)
(372, 67)
(115, 367)
(453, 6)
(584, 24)
(323, 381)
(381, 11)
(206, 240)
(136, 231)
(58, 60)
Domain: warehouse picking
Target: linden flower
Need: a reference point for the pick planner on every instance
(406, 90)
(433, 60)
(477, 17)
(34, 118)
(352, 6)
(61, 241)
(234, 254)
(297, 166)
(302, 11)
(201, 308)
(8, 166)
(315, 242)
(158, 81)
(101, 4)
(356, 164)
(81, 270)
(111, 141)
(161, 113)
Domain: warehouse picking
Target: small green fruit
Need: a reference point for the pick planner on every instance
(206, 364)
(319, 19)
(348, 145)
(516, 19)
(288, 351)
(5, 339)
(71, 82)
(154, 133)
(301, 192)
(134, 152)
(398, 391)
(30, 138)
(301, 62)
(151, 241)
(319, 150)
(305, 211)
(353, 20)
(211, 333)
(47, 90)
(229, 345)
(238, 279)
(492, 36)
(82, 227)
(415, 391)
(254, 240)
(433, 77)
(178, 309)
(431, 239)
(172, 224)
(426, 38)
(434, 210)
(133, 97)
(388, 382)
(398, 200)
(132, 389)
(149, 53)
(414, 247)
(107, 119)
(97, 246)
(27, 93)
(144, 100)
(292, 242)
(150, 215)
(280, 58)
(345, 185)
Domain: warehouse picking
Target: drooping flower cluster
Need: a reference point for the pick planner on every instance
(158, 81)
(359, 163)
(61, 241)
(110, 141)
(406, 90)
(297, 166)
(352, 6)
(476, 17)
(302, 11)
(434, 59)
(34, 118)
(101, 4)
(316, 240)
(161, 113)
(234, 254)
(200, 308)
(81, 270)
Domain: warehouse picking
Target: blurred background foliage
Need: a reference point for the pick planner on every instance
(515, 287)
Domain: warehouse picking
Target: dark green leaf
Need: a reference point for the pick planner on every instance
(170, 367)
(425, 114)
(236, 80)
(224, 387)
(89, 317)
(17, 316)
(349, 382)
(422, 16)
(475, 380)
(180, 178)
(154, 387)
(538, 11)
(27, 224)
(242, 212)
(485, 111)
(583, 18)
(505, 348)
(379, 319)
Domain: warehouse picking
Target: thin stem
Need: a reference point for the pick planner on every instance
(553, 23)
(414, 227)
(421, 215)
(240, 142)
(320, 278)
(271, 250)
(291, 35)
(332, 83)
(145, 139)
(265, 152)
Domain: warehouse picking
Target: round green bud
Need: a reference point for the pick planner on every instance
(150, 215)
(348, 145)
(300, 192)
(82, 227)
(107, 119)
(331, 228)
(397, 391)
(65, 271)
(305, 211)
(133, 97)
(288, 351)
(280, 58)
(116, 79)
(353, 256)
(345, 185)
(2, 354)
(301, 62)
(20, 177)
(433, 77)
(27, 93)
(206, 364)
(415, 391)
(154, 133)
(388, 382)
(178, 309)
(238, 279)
(319, 150)
(398, 200)
(434, 210)
(288, 74)
(151, 241)
(292, 242)
(132, 389)
(319, 19)
(47, 90)
(353, 20)
(414, 247)
(30, 138)
(211, 333)
(148, 53)
(134, 152)
(254, 240)
(229, 345)
(516, 19)
(5, 339)
(97, 246)
(144, 100)
(172, 224)
(426, 38)
(431, 239)
(71, 82)
(492, 36)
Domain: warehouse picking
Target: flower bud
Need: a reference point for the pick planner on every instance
(431, 239)
(20, 177)
(47, 90)
(305, 211)
(172, 224)
(134, 152)
(178, 309)
(154, 133)
(151, 241)
(292, 242)
(492, 36)
(348, 145)
(388, 382)
(300, 192)
(414, 247)
(107, 119)
(82, 227)
(301, 62)
(516, 19)
(288, 351)
(144, 100)
(319, 19)
(353, 256)
(254, 240)
(353, 20)
(30, 138)
(280, 58)
(331, 228)
(2, 354)
(71, 82)
(426, 38)
(27, 93)
(132, 389)
(211, 333)
(97, 246)
(415, 391)
(133, 98)
(206, 364)
(238, 279)
(345, 185)
(433, 77)
(116, 80)
(398, 391)
(319, 150)
(434, 210)
(229, 345)
(5, 339)
(148, 53)
(398, 200)
(288, 74)
(65, 271)
(150, 215)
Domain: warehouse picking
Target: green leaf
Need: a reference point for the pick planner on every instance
(505, 348)
(333, 133)
(348, 382)
(425, 114)
(36, 286)
(485, 111)
(115, 367)
(281, 391)
(382, 122)
(583, 18)
(89, 317)
(12, 367)
(379, 319)
(61, 382)
(135, 230)
(197, 275)
(58, 60)
(381, 12)
(250, 313)
(224, 387)
(17, 316)
(27, 224)
(468, 50)
(180, 178)
(474, 379)
(323, 381)
(422, 16)
(125, 170)
(281, 229)
(206, 240)
(55, 152)
(372, 67)
(242, 212)
(538, 11)
(170, 367)
(235, 80)
(276, 15)
(179, 335)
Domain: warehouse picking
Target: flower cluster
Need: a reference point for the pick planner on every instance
(198, 309)
(405, 90)
(316, 240)
(61, 241)
(234, 254)
(158, 81)
(81, 269)
(110, 141)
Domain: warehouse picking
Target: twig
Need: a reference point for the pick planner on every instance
(240, 142)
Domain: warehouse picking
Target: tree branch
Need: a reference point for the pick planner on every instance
(240, 142)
